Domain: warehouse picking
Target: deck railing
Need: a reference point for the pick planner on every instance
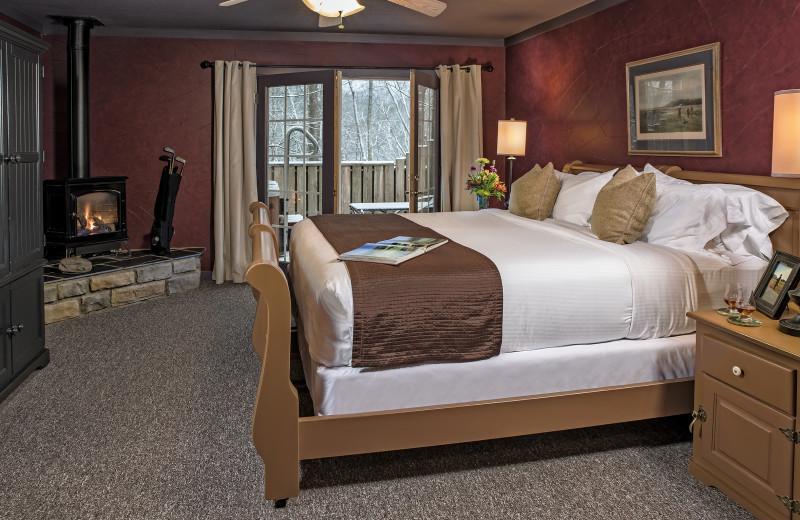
(359, 181)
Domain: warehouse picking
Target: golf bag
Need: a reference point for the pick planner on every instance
(162, 231)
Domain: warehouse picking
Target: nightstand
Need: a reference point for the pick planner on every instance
(745, 438)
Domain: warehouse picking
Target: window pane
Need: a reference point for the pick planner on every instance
(277, 105)
(315, 101)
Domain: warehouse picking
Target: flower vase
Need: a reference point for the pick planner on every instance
(483, 202)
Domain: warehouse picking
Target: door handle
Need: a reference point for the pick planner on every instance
(22, 157)
(14, 330)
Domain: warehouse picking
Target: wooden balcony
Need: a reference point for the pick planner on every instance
(359, 181)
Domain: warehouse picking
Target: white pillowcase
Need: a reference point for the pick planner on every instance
(576, 198)
(662, 179)
(752, 216)
(686, 216)
(562, 176)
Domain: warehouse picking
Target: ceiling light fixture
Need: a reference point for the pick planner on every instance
(334, 8)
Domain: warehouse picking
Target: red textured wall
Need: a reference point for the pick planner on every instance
(570, 83)
(147, 93)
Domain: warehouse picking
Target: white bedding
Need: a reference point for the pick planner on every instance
(341, 390)
(561, 285)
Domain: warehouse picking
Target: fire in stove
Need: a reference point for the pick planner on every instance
(97, 214)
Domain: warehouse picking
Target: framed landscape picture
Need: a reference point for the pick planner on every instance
(778, 279)
(673, 104)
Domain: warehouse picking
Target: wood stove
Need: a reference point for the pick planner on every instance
(84, 216)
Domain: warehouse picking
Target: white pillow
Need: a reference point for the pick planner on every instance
(662, 179)
(686, 216)
(576, 198)
(752, 216)
(562, 176)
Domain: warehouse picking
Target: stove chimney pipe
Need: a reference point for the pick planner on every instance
(78, 65)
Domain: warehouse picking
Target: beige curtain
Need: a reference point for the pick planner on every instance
(234, 167)
(461, 132)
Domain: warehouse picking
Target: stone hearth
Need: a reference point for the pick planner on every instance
(119, 280)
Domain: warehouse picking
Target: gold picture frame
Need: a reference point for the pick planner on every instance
(674, 104)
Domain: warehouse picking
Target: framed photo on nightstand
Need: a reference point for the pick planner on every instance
(780, 277)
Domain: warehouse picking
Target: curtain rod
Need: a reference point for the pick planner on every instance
(207, 64)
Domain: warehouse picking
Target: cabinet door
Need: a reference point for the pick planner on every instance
(5, 340)
(742, 439)
(23, 144)
(27, 293)
(4, 256)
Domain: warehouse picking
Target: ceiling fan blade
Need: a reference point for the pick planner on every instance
(429, 7)
(329, 21)
(228, 3)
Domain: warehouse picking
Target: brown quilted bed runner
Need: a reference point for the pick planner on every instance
(443, 306)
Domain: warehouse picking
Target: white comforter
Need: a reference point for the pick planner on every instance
(561, 285)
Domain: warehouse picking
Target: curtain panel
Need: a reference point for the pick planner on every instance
(461, 132)
(235, 185)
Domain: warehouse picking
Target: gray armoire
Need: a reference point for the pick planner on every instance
(21, 238)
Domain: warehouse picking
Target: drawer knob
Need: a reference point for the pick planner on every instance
(737, 371)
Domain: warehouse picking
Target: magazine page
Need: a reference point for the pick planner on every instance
(387, 254)
(425, 243)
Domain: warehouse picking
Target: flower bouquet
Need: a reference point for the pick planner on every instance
(484, 182)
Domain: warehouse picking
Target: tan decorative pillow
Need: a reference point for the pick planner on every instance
(534, 194)
(623, 206)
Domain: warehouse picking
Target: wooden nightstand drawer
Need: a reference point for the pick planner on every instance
(721, 357)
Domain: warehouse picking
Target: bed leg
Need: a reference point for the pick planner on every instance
(280, 503)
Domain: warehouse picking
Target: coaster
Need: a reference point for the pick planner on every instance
(738, 320)
(727, 312)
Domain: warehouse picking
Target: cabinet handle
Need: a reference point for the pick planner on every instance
(14, 329)
(697, 415)
(22, 157)
(738, 372)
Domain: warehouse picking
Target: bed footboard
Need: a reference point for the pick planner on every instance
(275, 414)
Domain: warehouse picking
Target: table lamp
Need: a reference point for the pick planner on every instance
(786, 163)
(786, 134)
(511, 141)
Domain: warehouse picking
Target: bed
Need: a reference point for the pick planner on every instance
(558, 382)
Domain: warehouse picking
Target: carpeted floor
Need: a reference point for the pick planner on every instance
(144, 413)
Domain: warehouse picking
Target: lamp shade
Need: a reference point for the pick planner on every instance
(511, 137)
(786, 134)
(332, 8)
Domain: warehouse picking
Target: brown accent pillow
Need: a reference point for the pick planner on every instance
(534, 194)
(623, 206)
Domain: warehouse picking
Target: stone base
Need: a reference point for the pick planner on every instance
(70, 298)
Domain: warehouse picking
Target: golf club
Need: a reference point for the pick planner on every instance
(183, 165)
(172, 159)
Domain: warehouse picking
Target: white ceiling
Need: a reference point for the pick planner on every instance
(463, 19)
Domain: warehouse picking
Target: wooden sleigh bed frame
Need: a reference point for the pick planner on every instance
(283, 438)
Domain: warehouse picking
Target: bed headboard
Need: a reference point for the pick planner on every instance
(784, 190)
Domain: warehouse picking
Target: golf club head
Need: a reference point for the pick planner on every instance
(169, 150)
(183, 165)
(166, 158)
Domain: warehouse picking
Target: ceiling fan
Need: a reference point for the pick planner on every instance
(331, 12)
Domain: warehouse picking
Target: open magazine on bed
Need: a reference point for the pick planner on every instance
(394, 250)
